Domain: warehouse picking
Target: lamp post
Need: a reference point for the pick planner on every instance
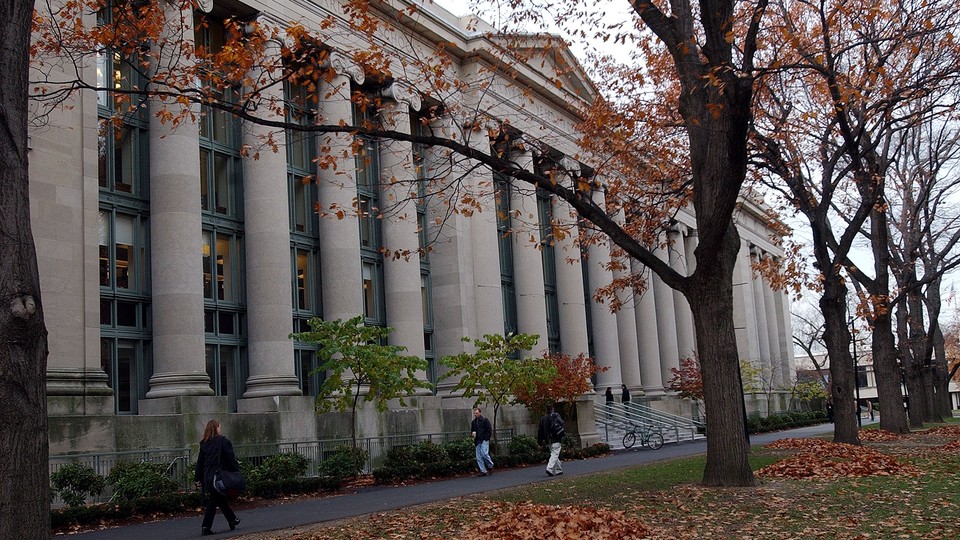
(856, 371)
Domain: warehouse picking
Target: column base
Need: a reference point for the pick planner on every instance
(272, 385)
(191, 383)
(654, 391)
(78, 382)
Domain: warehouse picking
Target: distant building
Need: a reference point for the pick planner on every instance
(866, 378)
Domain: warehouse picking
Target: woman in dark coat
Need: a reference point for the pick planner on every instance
(216, 453)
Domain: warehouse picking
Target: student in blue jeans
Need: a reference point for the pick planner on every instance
(481, 431)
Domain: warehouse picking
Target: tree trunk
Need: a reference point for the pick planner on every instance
(24, 487)
(930, 407)
(711, 301)
(887, 371)
(941, 379)
(836, 336)
(883, 344)
(916, 394)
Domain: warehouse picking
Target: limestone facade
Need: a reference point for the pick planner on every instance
(174, 267)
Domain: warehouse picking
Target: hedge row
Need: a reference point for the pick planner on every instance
(785, 420)
(428, 460)
(278, 475)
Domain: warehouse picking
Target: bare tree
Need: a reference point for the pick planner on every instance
(925, 231)
(863, 83)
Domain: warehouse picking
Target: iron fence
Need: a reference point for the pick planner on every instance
(180, 461)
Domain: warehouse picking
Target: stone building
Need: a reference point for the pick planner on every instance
(174, 267)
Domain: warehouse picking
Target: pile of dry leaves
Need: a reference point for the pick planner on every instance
(950, 432)
(822, 459)
(528, 521)
(879, 435)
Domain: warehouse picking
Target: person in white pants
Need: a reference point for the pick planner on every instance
(550, 433)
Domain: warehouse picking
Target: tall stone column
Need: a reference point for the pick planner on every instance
(785, 331)
(763, 329)
(487, 289)
(606, 346)
(690, 242)
(464, 263)
(686, 338)
(666, 323)
(267, 245)
(179, 367)
(745, 307)
(570, 297)
(528, 262)
(401, 276)
(627, 330)
(65, 163)
(340, 269)
(773, 334)
(648, 336)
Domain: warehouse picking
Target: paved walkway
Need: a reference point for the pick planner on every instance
(383, 498)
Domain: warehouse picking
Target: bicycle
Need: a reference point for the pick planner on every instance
(648, 438)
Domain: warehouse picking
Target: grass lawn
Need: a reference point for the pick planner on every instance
(663, 500)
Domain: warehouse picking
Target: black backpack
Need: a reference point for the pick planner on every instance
(556, 427)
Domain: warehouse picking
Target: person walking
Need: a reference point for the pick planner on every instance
(481, 431)
(216, 453)
(550, 433)
(624, 394)
(870, 409)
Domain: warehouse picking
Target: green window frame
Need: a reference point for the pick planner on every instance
(505, 245)
(423, 235)
(123, 228)
(368, 207)
(549, 262)
(221, 200)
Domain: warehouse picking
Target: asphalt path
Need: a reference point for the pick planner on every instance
(366, 500)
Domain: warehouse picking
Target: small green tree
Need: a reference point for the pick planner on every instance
(494, 373)
(807, 391)
(355, 359)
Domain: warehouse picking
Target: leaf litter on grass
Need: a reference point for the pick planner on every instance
(842, 496)
(817, 458)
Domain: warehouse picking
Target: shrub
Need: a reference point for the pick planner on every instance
(426, 453)
(131, 480)
(460, 449)
(73, 482)
(399, 455)
(98, 513)
(287, 466)
(344, 462)
(523, 444)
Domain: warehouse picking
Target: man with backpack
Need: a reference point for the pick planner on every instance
(550, 433)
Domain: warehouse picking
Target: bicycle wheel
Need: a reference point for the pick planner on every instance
(628, 439)
(654, 441)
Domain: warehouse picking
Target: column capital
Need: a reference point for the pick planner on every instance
(344, 65)
(403, 92)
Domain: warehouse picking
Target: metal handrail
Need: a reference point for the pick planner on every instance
(627, 416)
